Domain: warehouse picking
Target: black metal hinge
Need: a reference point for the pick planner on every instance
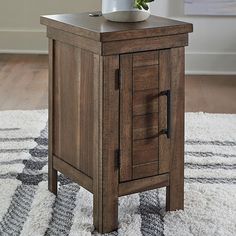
(117, 158)
(118, 79)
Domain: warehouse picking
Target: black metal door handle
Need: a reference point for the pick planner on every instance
(167, 131)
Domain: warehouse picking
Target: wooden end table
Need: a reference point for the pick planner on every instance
(116, 108)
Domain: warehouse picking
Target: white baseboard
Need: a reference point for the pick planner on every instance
(34, 41)
(14, 51)
(211, 63)
(23, 41)
(191, 72)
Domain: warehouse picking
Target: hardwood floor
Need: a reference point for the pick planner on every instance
(24, 82)
(213, 94)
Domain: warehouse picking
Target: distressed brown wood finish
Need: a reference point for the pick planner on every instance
(145, 121)
(145, 59)
(74, 105)
(150, 73)
(145, 150)
(65, 103)
(106, 196)
(164, 84)
(146, 44)
(126, 122)
(145, 126)
(145, 102)
(175, 191)
(74, 174)
(143, 184)
(107, 109)
(138, 115)
(98, 153)
(100, 29)
(75, 40)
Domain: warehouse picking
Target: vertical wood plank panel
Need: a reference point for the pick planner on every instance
(98, 160)
(56, 104)
(106, 198)
(175, 192)
(140, 127)
(97, 114)
(86, 111)
(76, 122)
(52, 173)
(126, 116)
(164, 84)
(77, 75)
(69, 80)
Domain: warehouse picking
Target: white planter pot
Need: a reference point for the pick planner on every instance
(123, 11)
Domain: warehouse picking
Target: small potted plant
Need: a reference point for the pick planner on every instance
(126, 10)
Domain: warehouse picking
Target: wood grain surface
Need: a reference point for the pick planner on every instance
(139, 115)
(74, 105)
(175, 191)
(99, 29)
(126, 115)
(143, 184)
(107, 180)
(164, 84)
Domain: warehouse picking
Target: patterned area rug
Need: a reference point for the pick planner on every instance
(27, 208)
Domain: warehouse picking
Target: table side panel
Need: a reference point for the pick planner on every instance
(75, 106)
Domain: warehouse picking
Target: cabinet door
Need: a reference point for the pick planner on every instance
(144, 101)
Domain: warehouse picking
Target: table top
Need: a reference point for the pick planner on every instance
(100, 29)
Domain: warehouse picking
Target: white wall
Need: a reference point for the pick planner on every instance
(20, 30)
(212, 47)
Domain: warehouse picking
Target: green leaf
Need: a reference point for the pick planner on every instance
(145, 6)
(142, 4)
